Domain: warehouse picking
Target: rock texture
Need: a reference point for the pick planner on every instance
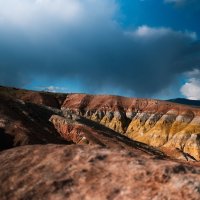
(83, 131)
(26, 123)
(74, 172)
(173, 128)
(81, 150)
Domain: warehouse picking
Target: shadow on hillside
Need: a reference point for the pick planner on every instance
(112, 134)
(6, 141)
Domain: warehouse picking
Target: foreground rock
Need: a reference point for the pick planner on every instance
(59, 172)
(173, 128)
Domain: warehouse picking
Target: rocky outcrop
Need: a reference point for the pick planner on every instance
(26, 123)
(84, 131)
(170, 127)
(92, 157)
(72, 131)
(92, 172)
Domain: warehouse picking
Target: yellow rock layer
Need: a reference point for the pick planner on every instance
(117, 125)
(169, 130)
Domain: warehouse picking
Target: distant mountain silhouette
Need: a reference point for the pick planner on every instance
(185, 101)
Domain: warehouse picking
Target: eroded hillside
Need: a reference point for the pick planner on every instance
(169, 127)
(96, 147)
(173, 128)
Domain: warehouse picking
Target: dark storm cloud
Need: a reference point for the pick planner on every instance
(60, 39)
(189, 4)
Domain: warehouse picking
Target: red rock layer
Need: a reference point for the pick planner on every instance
(86, 102)
(168, 126)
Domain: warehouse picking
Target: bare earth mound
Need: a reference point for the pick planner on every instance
(91, 172)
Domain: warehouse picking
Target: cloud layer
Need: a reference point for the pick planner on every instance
(191, 89)
(59, 39)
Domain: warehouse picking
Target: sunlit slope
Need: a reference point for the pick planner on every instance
(174, 128)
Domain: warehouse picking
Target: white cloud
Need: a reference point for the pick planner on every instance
(191, 89)
(146, 31)
(195, 73)
(151, 32)
(80, 38)
(41, 14)
(53, 89)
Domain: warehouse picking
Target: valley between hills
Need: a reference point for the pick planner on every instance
(80, 146)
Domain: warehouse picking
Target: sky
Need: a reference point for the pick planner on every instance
(140, 48)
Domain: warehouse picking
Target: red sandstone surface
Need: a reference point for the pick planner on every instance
(76, 172)
(170, 127)
(115, 103)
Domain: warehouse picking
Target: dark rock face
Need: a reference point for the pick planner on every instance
(92, 172)
(6, 140)
(25, 123)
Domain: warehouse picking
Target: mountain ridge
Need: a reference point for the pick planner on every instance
(176, 126)
(170, 127)
(185, 101)
(79, 148)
